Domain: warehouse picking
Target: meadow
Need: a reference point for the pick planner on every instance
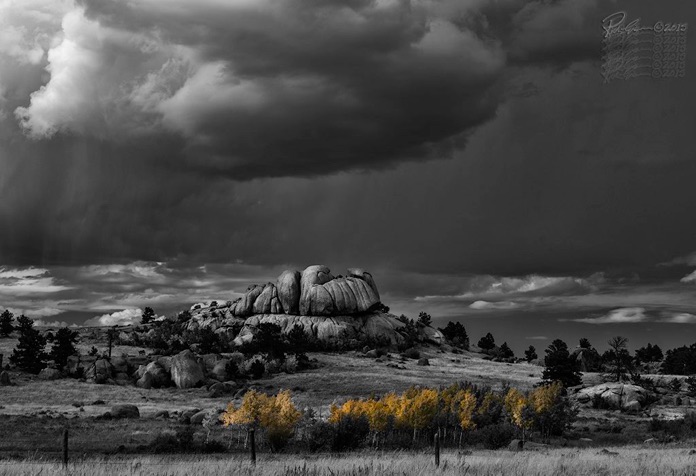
(621, 461)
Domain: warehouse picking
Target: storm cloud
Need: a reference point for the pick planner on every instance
(436, 143)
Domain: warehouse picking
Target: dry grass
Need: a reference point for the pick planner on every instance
(631, 461)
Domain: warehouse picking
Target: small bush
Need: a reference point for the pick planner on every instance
(497, 436)
(257, 369)
(350, 433)
(411, 353)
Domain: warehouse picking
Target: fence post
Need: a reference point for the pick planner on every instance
(252, 445)
(437, 449)
(65, 447)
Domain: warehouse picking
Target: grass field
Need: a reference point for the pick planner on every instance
(627, 461)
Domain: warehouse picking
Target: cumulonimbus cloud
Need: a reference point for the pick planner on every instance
(329, 87)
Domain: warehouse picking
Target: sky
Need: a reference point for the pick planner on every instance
(468, 153)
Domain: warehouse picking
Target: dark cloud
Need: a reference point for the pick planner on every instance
(284, 134)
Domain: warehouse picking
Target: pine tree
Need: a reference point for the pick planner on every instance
(424, 319)
(530, 354)
(148, 315)
(6, 326)
(64, 346)
(505, 351)
(486, 342)
(560, 366)
(29, 354)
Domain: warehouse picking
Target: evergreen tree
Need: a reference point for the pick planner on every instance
(64, 346)
(585, 343)
(617, 359)
(424, 319)
(148, 315)
(560, 366)
(649, 353)
(486, 342)
(6, 326)
(530, 354)
(456, 334)
(29, 354)
(505, 351)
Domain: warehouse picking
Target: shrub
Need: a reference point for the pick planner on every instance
(256, 369)
(411, 353)
(351, 432)
(497, 436)
(320, 436)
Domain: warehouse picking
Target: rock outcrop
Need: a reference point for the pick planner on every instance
(338, 329)
(315, 292)
(615, 395)
(329, 308)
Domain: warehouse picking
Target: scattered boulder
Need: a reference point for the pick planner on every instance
(5, 378)
(50, 374)
(125, 411)
(516, 445)
(221, 389)
(423, 361)
(101, 371)
(186, 370)
(220, 371)
(197, 418)
(163, 414)
(373, 354)
(186, 415)
(153, 376)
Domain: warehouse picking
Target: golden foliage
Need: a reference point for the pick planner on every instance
(543, 399)
(467, 407)
(275, 414)
(515, 403)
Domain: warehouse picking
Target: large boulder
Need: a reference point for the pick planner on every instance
(288, 286)
(101, 371)
(153, 376)
(244, 306)
(621, 396)
(186, 371)
(50, 374)
(314, 299)
(5, 379)
(221, 371)
(125, 411)
(268, 302)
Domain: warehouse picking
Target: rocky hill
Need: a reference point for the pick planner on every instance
(329, 309)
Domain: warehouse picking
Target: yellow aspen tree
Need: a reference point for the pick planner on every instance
(420, 410)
